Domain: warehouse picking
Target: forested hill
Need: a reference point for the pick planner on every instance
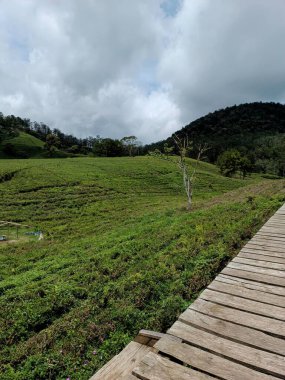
(250, 128)
(22, 138)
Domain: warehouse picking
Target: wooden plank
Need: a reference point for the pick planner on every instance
(271, 289)
(258, 322)
(255, 256)
(259, 263)
(279, 252)
(262, 278)
(276, 219)
(244, 304)
(268, 237)
(277, 226)
(241, 291)
(262, 251)
(266, 361)
(273, 243)
(123, 363)
(279, 229)
(266, 245)
(155, 367)
(148, 337)
(259, 240)
(251, 268)
(273, 230)
(151, 334)
(275, 223)
(208, 362)
(238, 333)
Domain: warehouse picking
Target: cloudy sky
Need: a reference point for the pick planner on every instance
(143, 67)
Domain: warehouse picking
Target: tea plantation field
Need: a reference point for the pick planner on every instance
(120, 253)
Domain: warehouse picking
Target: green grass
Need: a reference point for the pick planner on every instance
(25, 145)
(120, 253)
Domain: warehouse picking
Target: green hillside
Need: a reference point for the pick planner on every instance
(120, 253)
(257, 130)
(24, 145)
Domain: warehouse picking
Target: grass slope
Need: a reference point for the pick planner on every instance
(120, 253)
(24, 145)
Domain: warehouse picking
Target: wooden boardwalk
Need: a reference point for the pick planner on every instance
(234, 330)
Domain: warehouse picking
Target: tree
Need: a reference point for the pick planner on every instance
(52, 142)
(228, 162)
(231, 161)
(245, 166)
(130, 143)
(184, 147)
(107, 147)
(168, 150)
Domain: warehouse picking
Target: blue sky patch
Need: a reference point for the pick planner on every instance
(171, 7)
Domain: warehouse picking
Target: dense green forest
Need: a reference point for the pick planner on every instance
(256, 130)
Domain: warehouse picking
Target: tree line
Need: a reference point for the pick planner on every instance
(55, 140)
(244, 138)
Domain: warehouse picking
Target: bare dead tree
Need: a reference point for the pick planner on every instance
(184, 147)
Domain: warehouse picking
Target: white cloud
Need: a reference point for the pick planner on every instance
(125, 67)
(225, 52)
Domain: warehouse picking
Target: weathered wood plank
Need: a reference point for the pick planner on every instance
(259, 263)
(251, 268)
(274, 224)
(238, 333)
(259, 240)
(258, 322)
(262, 251)
(155, 367)
(265, 245)
(279, 230)
(268, 237)
(271, 289)
(244, 304)
(275, 243)
(148, 337)
(129, 377)
(271, 363)
(259, 256)
(271, 242)
(277, 226)
(262, 278)
(241, 291)
(208, 362)
(268, 248)
(275, 232)
(123, 363)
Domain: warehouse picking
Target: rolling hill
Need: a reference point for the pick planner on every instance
(25, 145)
(22, 146)
(257, 130)
(120, 253)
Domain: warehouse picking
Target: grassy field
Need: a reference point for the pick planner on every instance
(120, 253)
